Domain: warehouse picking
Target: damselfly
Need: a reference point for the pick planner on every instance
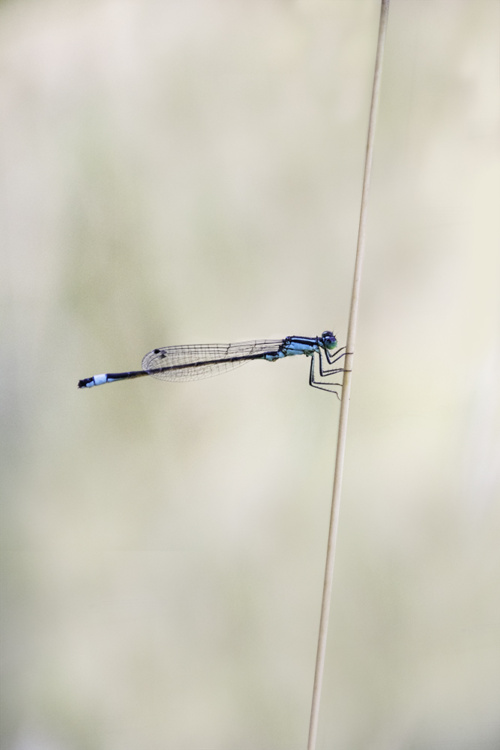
(196, 361)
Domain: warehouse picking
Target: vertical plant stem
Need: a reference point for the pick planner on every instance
(346, 390)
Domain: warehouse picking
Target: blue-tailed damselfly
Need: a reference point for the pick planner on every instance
(196, 361)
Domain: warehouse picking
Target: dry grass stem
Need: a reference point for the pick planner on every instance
(344, 407)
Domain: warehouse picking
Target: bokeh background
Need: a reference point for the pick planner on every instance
(190, 172)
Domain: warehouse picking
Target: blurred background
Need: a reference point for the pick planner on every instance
(190, 172)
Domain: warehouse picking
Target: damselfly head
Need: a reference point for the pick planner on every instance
(329, 339)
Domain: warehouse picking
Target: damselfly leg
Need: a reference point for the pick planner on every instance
(326, 358)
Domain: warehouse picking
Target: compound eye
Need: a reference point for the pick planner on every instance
(328, 335)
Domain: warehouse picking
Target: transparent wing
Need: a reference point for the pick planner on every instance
(197, 361)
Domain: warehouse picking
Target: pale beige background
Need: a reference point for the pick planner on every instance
(187, 172)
